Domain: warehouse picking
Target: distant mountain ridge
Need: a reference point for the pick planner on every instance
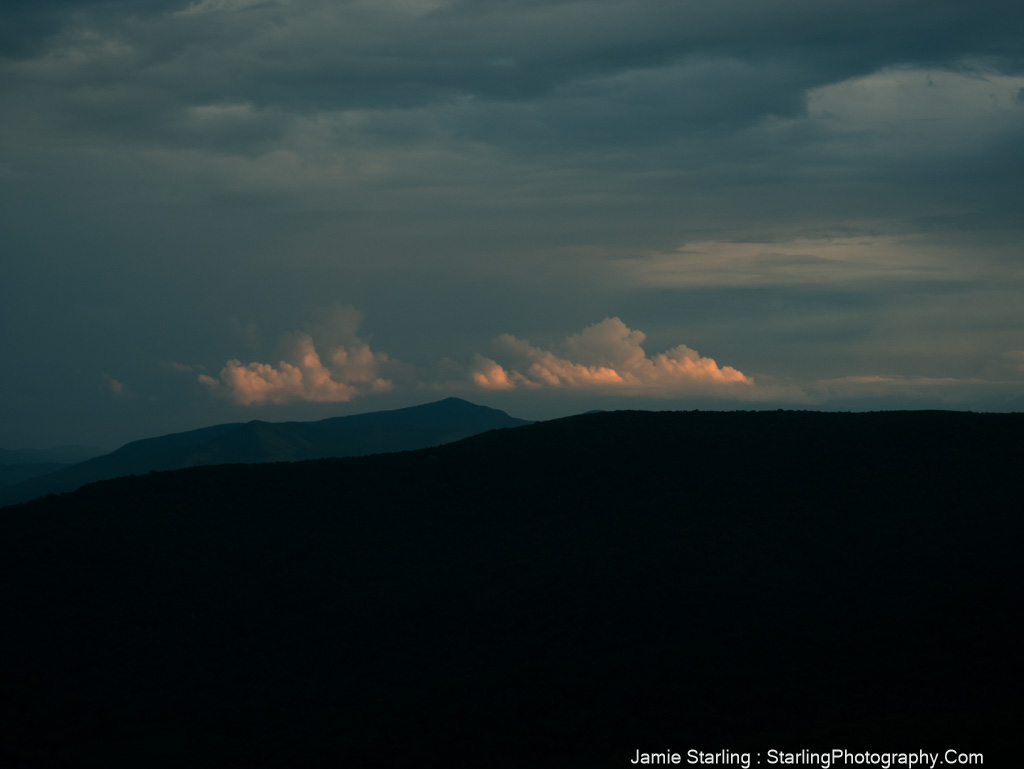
(56, 454)
(378, 432)
(17, 465)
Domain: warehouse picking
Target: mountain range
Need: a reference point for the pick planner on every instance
(257, 441)
(569, 593)
(22, 464)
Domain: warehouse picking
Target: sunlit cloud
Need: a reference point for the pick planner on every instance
(606, 356)
(487, 374)
(330, 363)
(348, 369)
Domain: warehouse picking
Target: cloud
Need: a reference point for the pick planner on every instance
(1013, 363)
(607, 356)
(487, 374)
(1007, 367)
(798, 261)
(909, 112)
(998, 383)
(351, 368)
(218, 6)
(475, 163)
(889, 389)
(117, 389)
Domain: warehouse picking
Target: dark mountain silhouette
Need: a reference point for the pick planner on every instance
(252, 442)
(558, 595)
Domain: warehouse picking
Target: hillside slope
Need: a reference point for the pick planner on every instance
(561, 594)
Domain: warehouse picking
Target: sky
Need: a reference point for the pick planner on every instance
(226, 210)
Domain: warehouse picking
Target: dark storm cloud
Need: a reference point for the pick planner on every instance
(685, 90)
(235, 77)
(27, 25)
(311, 57)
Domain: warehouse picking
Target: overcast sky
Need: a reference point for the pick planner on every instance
(243, 209)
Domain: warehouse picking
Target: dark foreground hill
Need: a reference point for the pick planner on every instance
(559, 595)
(404, 429)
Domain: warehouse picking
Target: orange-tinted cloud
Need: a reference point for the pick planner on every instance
(605, 355)
(489, 375)
(118, 390)
(351, 369)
